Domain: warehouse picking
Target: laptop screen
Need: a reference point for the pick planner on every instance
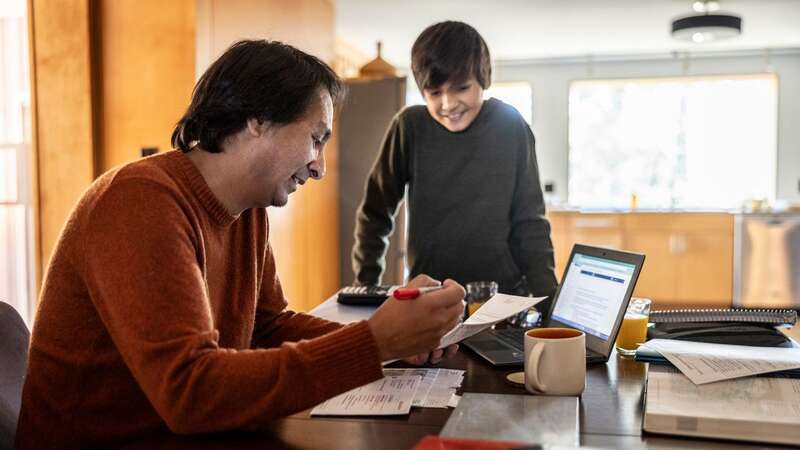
(592, 293)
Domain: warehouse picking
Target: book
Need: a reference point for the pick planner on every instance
(763, 316)
(760, 409)
(532, 419)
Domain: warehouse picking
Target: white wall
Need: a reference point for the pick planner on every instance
(550, 81)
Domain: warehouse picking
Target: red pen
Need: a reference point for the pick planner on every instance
(412, 293)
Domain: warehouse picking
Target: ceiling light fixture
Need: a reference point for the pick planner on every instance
(706, 27)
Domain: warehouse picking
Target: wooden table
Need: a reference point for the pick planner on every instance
(610, 415)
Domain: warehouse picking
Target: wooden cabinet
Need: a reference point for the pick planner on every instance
(689, 256)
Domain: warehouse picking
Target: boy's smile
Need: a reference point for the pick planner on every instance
(455, 105)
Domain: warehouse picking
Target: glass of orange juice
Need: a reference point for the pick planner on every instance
(478, 292)
(633, 331)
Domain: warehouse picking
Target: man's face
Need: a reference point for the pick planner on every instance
(287, 155)
(455, 105)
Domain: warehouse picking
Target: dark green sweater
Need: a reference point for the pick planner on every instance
(474, 201)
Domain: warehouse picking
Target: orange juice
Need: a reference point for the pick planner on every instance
(472, 307)
(632, 333)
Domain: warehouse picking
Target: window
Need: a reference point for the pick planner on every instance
(691, 142)
(15, 210)
(516, 94)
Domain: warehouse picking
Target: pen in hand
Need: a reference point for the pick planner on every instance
(412, 293)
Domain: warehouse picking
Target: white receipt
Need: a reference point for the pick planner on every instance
(436, 387)
(391, 395)
(704, 363)
(496, 309)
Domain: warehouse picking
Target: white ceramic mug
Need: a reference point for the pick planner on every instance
(555, 361)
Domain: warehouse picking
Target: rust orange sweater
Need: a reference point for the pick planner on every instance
(162, 312)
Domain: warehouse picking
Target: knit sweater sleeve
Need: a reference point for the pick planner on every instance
(384, 191)
(275, 325)
(530, 241)
(140, 263)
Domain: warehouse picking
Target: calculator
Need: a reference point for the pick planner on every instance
(364, 295)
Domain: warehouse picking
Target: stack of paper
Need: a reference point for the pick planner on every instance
(703, 362)
(751, 409)
(396, 393)
(437, 385)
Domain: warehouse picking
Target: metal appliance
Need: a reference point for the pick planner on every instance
(766, 260)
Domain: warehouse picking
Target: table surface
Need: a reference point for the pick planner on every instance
(610, 414)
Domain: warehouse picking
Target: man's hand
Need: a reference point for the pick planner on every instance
(433, 357)
(414, 328)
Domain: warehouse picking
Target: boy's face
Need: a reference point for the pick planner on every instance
(455, 105)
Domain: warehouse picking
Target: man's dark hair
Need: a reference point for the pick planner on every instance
(450, 51)
(254, 79)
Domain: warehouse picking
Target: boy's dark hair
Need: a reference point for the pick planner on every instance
(253, 79)
(450, 51)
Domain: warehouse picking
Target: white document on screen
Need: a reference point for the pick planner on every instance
(495, 310)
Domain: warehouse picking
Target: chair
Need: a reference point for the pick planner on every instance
(14, 337)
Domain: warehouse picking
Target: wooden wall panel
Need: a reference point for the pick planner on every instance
(146, 60)
(62, 113)
(304, 233)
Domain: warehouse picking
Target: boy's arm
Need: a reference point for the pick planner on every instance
(375, 217)
(530, 241)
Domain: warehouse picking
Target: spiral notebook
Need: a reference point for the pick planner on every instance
(761, 316)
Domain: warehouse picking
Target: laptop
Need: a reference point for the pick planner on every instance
(593, 296)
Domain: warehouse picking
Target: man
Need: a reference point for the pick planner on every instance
(476, 211)
(161, 309)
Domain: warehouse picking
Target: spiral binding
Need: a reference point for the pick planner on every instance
(767, 316)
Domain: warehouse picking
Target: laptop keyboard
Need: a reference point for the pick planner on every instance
(512, 336)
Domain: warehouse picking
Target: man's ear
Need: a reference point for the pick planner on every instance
(256, 127)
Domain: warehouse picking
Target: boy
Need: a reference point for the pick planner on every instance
(476, 210)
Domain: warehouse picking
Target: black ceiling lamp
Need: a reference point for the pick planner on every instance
(705, 26)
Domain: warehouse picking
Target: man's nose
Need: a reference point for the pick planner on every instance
(316, 167)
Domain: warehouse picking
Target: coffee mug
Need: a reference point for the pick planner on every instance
(555, 361)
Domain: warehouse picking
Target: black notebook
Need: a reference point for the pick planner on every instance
(753, 327)
(760, 316)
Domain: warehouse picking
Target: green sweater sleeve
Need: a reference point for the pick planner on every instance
(375, 217)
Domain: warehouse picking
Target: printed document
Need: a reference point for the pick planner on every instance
(703, 362)
(437, 386)
(496, 309)
(752, 409)
(388, 396)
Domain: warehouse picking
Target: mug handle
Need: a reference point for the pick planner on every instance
(533, 363)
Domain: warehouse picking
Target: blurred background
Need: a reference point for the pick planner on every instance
(678, 141)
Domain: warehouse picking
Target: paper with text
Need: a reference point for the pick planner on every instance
(436, 388)
(496, 309)
(703, 363)
(391, 395)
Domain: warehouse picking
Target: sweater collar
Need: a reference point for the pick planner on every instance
(200, 188)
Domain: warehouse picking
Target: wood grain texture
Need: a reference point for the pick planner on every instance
(146, 61)
(689, 256)
(62, 113)
(304, 233)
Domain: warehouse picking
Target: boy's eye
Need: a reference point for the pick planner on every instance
(463, 88)
(435, 93)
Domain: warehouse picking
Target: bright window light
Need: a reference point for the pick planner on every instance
(516, 94)
(692, 142)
